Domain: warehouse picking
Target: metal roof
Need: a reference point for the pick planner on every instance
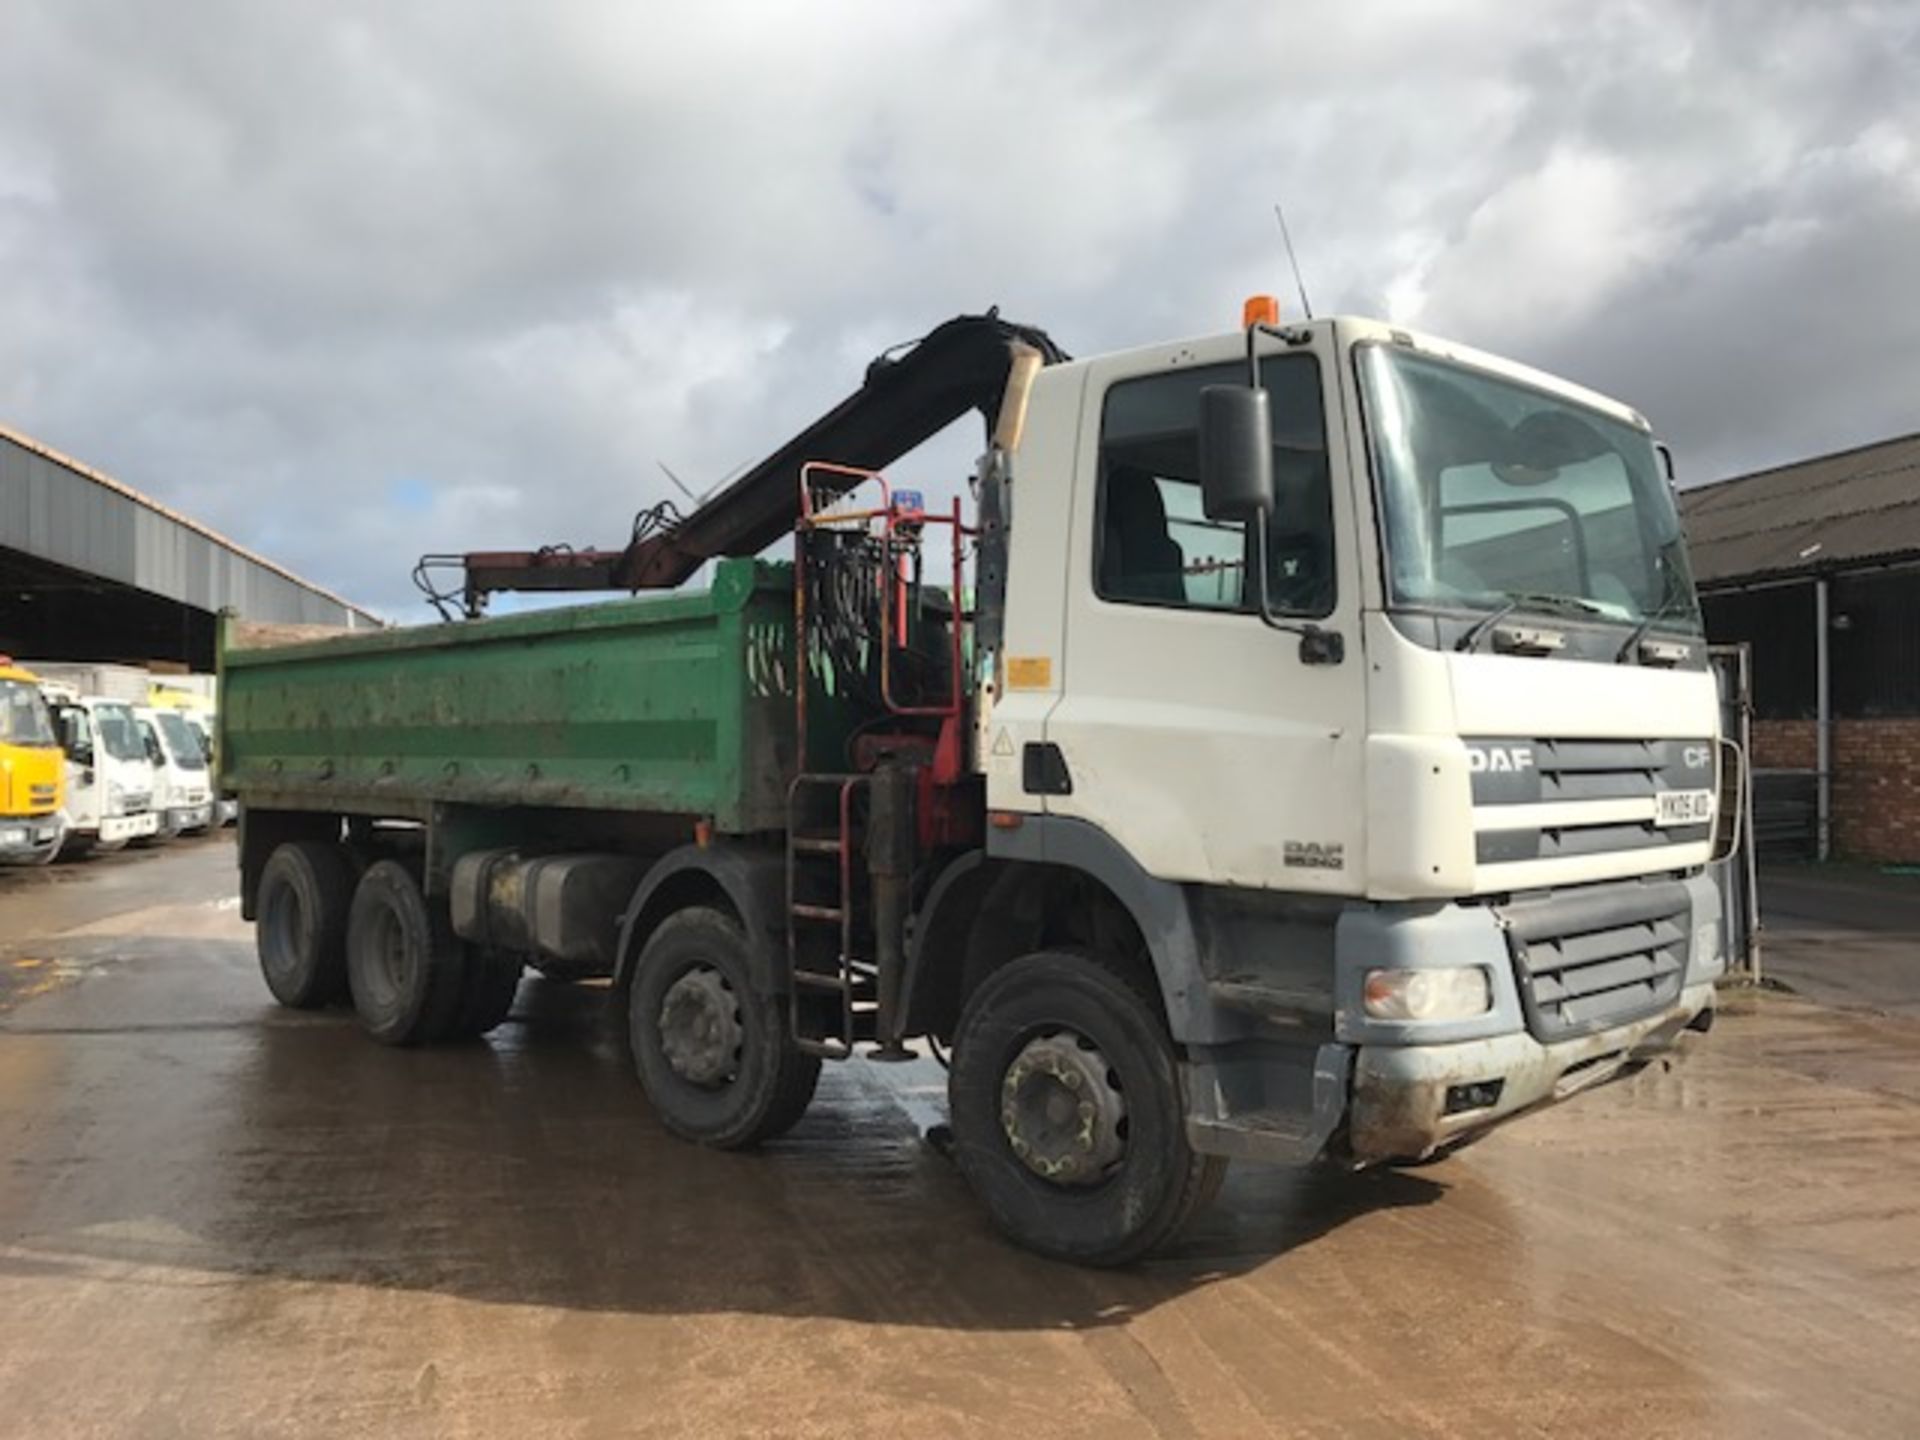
(1833, 512)
(56, 509)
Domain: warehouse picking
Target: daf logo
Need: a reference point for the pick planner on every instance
(1499, 759)
(1696, 757)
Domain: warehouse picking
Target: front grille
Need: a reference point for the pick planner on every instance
(136, 803)
(1556, 772)
(43, 794)
(1598, 956)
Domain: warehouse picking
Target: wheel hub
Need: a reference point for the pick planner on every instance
(1062, 1111)
(700, 1030)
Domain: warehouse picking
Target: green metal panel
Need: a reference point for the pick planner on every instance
(679, 704)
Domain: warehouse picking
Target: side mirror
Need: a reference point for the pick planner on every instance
(1236, 453)
(74, 738)
(154, 752)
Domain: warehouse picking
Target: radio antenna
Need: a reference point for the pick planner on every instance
(1287, 240)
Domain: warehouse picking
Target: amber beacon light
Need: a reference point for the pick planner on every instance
(1259, 310)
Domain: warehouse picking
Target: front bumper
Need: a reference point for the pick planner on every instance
(190, 817)
(1410, 1101)
(128, 827)
(29, 840)
(1278, 1070)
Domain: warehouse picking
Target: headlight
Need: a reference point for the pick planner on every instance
(1452, 993)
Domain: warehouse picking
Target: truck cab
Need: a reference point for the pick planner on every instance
(1429, 805)
(32, 785)
(109, 777)
(182, 795)
(205, 725)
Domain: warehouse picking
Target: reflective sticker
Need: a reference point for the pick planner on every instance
(1029, 672)
(1003, 743)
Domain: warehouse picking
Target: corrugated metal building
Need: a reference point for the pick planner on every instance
(90, 569)
(1816, 567)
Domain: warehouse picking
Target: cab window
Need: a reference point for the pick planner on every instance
(1154, 544)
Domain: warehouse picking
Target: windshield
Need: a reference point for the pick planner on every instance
(24, 719)
(181, 745)
(201, 735)
(1493, 494)
(119, 734)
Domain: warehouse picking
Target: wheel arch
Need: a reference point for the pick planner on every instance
(990, 907)
(747, 882)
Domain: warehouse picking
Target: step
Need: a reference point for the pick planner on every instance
(814, 845)
(814, 980)
(819, 912)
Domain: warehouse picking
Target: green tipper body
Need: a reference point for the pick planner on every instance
(677, 704)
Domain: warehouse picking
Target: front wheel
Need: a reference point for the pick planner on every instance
(714, 1055)
(1067, 1114)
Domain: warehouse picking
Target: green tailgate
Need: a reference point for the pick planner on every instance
(678, 704)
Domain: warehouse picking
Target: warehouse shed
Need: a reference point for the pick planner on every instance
(1815, 566)
(91, 569)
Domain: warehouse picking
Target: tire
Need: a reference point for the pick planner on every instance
(705, 1089)
(1126, 1183)
(492, 980)
(406, 966)
(306, 890)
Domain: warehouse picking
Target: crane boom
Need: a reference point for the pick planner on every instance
(907, 396)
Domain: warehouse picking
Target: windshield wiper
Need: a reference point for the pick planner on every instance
(1531, 600)
(1670, 599)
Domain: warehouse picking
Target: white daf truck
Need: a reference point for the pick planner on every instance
(109, 775)
(1323, 768)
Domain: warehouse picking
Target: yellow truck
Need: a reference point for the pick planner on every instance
(32, 770)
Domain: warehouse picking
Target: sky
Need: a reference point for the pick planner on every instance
(356, 281)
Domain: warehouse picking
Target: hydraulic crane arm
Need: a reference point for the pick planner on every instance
(908, 395)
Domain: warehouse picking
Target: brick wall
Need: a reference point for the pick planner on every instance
(1785, 745)
(1876, 780)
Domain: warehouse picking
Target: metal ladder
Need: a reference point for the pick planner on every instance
(835, 1003)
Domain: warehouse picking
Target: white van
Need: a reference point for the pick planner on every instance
(110, 779)
(180, 792)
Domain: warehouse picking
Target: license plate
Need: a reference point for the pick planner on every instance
(1682, 807)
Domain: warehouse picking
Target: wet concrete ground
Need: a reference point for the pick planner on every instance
(1843, 935)
(220, 1218)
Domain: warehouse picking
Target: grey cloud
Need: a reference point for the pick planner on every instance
(293, 270)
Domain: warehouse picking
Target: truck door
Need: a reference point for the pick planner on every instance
(1190, 731)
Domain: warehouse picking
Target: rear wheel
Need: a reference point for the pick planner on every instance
(714, 1056)
(306, 889)
(406, 965)
(1067, 1115)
